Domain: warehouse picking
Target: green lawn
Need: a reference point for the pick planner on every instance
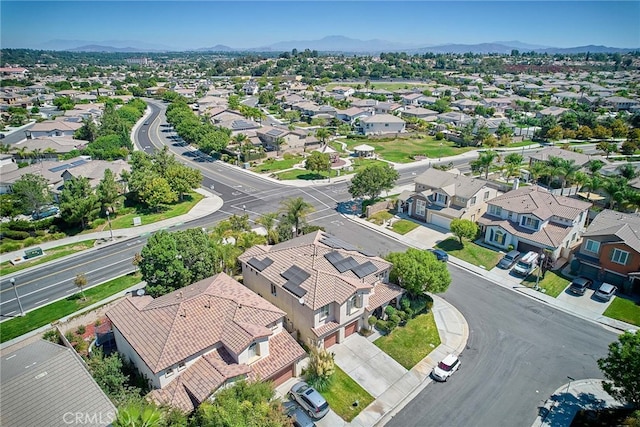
(50, 313)
(402, 150)
(126, 221)
(341, 394)
(403, 226)
(411, 343)
(552, 283)
(51, 254)
(624, 310)
(379, 218)
(361, 163)
(524, 143)
(305, 174)
(472, 253)
(277, 165)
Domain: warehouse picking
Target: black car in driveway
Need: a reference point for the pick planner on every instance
(580, 285)
(440, 254)
(509, 260)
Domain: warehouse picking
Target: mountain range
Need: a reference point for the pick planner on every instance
(331, 44)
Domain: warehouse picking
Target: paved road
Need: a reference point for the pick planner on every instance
(519, 352)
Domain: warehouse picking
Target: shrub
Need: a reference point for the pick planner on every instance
(321, 368)
(402, 315)
(9, 247)
(287, 156)
(390, 310)
(51, 335)
(510, 248)
(40, 233)
(70, 337)
(97, 323)
(30, 241)
(409, 312)
(372, 320)
(439, 136)
(81, 330)
(15, 234)
(405, 303)
(97, 222)
(382, 325)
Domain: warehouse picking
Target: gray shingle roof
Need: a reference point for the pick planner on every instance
(625, 226)
(537, 201)
(453, 184)
(41, 382)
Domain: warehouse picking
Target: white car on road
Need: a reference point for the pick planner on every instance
(446, 368)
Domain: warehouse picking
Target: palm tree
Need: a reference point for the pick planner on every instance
(628, 171)
(295, 211)
(239, 138)
(595, 182)
(323, 134)
(49, 152)
(484, 162)
(580, 179)
(37, 153)
(614, 187)
(268, 221)
(569, 169)
(6, 148)
(279, 142)
(594, 166)
(23, 153)
(537, 170)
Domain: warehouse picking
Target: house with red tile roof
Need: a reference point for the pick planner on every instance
(533, 219)
(205, 336)
(327, 287)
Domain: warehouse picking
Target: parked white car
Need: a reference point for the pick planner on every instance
(446, 368)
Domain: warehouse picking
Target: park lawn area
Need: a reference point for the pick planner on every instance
(336, 146)
(412, 342)
(361, 163)
(341, 394)
(177, 209)
(51, 254)
(470, 252)
(403, 226)
(624, 310)
(305, 174)
(52, 312)
(403, 150)
(379, 218)
(552, 283)
(277, 165)
(524, 143)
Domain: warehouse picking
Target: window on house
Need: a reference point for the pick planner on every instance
(441, 198)
(324, 312)
(353, 304)
(168, 372)
(254, 350)
(619, 256)
(530, 222)
(499, 237)
(181, 366)
(274, 291)
(421, 206)
(495, 210)
(472, 201)
(592, 246)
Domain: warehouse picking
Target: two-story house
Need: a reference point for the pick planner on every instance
(441, 196)
(381, 123)
(610, 250)
(195, 340)
(327, 287)
(533, 219)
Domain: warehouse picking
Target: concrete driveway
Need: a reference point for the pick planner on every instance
(425, 235)
(585, 304)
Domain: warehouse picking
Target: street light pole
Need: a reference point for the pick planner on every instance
(15, 289)
(109, 221)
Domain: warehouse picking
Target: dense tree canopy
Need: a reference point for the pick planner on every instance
(372, 180)
(419, 271)
(622, 368)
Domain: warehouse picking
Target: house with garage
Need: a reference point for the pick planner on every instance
(327, 287)
(381, 123)
(534, 219)
(54, 128)
(441, 196)
(610, 250)
(203, 337)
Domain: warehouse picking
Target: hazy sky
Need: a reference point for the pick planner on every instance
(184, 24)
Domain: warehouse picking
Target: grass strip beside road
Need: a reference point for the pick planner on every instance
(51, 254)
(552, 283)
(624, 310)
(411, 343)
(343, 392)
(126, 221)
(52, 312)
(471, 253)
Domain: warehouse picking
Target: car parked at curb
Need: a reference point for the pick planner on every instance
(440, 254)
(311, 401)
(509, 259)
(579, 285)
(605, 292)
(446, 368)
(297, 415)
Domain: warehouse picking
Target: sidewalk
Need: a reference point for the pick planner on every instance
(563, 405)
(204, 207)
(392, 386)
(499, 280)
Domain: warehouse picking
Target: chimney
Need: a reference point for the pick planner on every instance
(516, 183)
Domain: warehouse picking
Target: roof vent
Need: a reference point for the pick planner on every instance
(179, 295)
(184, 313)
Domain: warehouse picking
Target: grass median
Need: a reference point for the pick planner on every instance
(51, 254)
(52, 312)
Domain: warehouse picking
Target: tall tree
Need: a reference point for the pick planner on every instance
(295, 211)
(108, 191)
(621, 368)
(78, 203)
(418, 272)
(32, 192)
(463, 229)
(268, 221)
(323, 134)
(317, 162)
(156, 193)
(628, 171)
(484, 161)
(81, 281)
(594, 166)
(183, 179)
(372, 180)
(88, 131)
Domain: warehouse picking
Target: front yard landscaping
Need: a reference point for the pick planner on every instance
(306, 175)
(379, 218)
(411, 343)
(624, 310)
(403, 226)
(552, 283)
(343, 392)
(403, 150)
(53, 253)
(271, 165)
(52, 312)
(471, 252)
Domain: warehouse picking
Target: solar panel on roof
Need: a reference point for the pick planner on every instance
(365, 269)
(60, 168)
(260, 264)
(346, 264)
(295, 289)
(336, 243)
(295, 275)
(333, 257)
(78, 163)
(274, 132)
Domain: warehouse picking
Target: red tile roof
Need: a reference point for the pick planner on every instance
(283, 351)
(383, 293)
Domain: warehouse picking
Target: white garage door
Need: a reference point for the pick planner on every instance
(440, 221)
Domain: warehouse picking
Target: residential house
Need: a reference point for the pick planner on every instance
(467, 105)
(620, 103)
(381, 123)
(545, 154)
(553, 111)
(343, 90)
(388, 108)
(350, 114)
(195, 340)
(441, 196)
(610, 250)
(533, 219)
(54, 128)
(250, 88)
(411, 98)
(50, 147)
(328, 287)
(46, 384)
(420, 113)
(499, 104)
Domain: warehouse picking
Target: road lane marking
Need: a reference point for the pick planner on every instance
(41, 301)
